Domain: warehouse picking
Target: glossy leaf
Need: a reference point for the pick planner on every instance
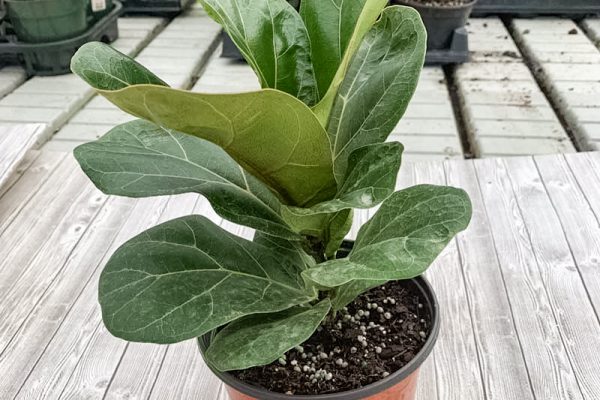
(370, 179)
(188, 276)
(273, 39)
(102, 66)
(378, 85)
(408, 232)
(271, 134)
(140, 159)
(262, 339)
(369, 14)
(338, 227)
(330, 25)
(292, 250)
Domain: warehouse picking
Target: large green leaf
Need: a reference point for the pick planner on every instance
(370, 179)
(188, 276)
(369, 14)
(261, 339)
(330, 25)
(140, 159)
(378, 85)
(403, 238)
(273, 39)
(273, 135)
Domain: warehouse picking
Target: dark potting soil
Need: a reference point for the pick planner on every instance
(376, 335)
(436, 3)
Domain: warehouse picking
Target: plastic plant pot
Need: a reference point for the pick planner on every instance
(440, 22)
(54, 58)
(41, 21)
(97, 9)
(401, 385)
(529, 8)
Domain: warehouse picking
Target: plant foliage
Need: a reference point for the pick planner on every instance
(291, 161)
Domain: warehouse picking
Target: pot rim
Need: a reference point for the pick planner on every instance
(416, 4)
(355, 394)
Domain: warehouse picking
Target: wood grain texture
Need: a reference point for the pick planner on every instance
(91, 378)
(61, 356)
(456, 341)
(585, 167)
(576, 251)
(56, 217)
(15, 142)
(22, 190)
(551, 374)
(29, 340)
(20, 295)
(502, 366)
(185, 376)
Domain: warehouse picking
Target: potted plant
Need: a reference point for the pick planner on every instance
(41, 21)
(296, 311)
(441, 18)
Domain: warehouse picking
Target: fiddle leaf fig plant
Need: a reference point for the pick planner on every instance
(292, 161)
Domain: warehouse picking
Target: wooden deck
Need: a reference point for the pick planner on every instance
(519, 290)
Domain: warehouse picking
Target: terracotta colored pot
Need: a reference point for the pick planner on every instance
(405, 390)
(401, 385)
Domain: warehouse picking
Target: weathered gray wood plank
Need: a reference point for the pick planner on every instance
(551, 374)
(29, 342)
(586, 169)
(15, 142)
(98, 363)
(503, 368)
(62, 352)
(21, 292)
(455, 381)
(185, 376)
(26, 186)
(574, 253)
(23, 239)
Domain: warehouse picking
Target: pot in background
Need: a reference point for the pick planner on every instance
(401, 385)
(440, 22)
(41, 21)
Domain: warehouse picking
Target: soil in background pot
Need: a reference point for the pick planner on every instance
(440, 3)
(376, 335)
(441, 18)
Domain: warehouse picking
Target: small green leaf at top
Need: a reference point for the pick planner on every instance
(378, 85)
(188, 276)
(273, 39)
(330, 25)
(263, 338)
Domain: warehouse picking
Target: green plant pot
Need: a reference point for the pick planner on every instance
(41, 21)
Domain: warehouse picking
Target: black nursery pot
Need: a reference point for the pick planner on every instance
(401, 385)
(440, 22)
